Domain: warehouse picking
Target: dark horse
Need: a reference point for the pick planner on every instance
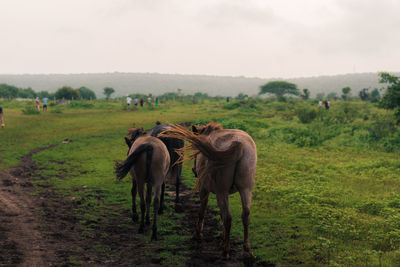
(172, 144)
(148, 163)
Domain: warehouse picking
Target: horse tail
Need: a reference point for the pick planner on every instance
(122, 168)
(202, 144)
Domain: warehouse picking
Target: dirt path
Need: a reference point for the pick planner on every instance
(43, 230)
(22, 242)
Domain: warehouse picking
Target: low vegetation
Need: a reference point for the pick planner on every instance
(327, 181)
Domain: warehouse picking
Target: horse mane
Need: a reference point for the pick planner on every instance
(134, 133)
(200, 143)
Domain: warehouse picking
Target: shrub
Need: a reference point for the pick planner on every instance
(306, 115)
(371, 207)
(391, 143)
(30, 110)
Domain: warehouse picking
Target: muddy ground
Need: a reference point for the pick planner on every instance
(43, 230)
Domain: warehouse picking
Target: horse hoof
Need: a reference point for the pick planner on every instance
(135, 217)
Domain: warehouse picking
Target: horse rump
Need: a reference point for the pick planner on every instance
(122, 168)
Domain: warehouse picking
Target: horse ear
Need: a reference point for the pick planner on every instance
(128, 142)
(194, 129)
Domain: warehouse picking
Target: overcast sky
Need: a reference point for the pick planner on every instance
(255, 38)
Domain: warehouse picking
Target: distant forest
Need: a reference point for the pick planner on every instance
(156, 84)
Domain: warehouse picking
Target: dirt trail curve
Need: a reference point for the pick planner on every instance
(22, 242)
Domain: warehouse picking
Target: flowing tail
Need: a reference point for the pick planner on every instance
(202, 144)
(218, 158)
(122, 168)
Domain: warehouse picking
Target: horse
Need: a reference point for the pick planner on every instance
(172, 144)
(148, 163)
(224, 163)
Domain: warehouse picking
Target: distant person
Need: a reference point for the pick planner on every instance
(227, 99)
(141, 102)
(326, 105)
(135, 101)
(45, 100)
(2, 118)
(128, 101)
(149, 100)
(37, 103)
(156, 101)
(329, 104)
(320, 104)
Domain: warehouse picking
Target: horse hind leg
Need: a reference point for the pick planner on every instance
(142, 209)
(135, 216)
(148, 203)
(223, 204)
(203, 206)
(162, 206)
(156, 206)
(245, 196)
(178, 183)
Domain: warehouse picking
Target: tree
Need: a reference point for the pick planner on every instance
(280, 89)
(67, 92)
(363, 94)
(108, 91)
(241, 96)
(346, 92)
(332, 95)
(26, 93)
(320, 96)
(391, 98)
(8, 91)
(306, 94)
(375, 95)
(86, 93)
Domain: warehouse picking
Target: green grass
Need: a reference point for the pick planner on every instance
(327, 192)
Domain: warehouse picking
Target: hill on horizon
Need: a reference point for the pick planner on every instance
(155, 83)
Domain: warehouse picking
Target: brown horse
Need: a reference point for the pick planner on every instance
(225, 163)
(148, 162)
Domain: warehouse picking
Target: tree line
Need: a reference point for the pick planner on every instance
(65, 92)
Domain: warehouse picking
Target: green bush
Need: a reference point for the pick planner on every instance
(371, 207)
(30, 110)
(391, 143)
(306, 115)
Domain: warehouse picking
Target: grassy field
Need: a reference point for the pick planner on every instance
(327, 182)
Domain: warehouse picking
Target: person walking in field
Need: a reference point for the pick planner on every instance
(45, 100)
(320, 104)
(141, 102)
(326, 105)
(2, 118)
(37, 103)
(156, 101)
(128, 102)
(135, 101)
